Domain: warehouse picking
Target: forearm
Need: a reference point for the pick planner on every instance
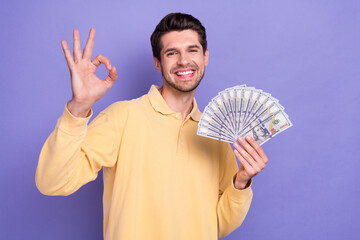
(234, 196)
(59, 161)
(232, 208)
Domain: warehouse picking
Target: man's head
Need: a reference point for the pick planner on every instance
(176, 22)
(180, 51)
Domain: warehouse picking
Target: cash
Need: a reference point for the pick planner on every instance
(242, 111)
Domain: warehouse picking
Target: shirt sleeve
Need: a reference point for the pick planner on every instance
(74, 153)
(233, 204)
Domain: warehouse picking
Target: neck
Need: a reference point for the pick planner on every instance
(181, 102)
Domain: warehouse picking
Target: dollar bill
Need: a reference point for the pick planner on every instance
(241, 111)
(262, 131)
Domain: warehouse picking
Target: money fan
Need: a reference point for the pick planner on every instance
(241, 111)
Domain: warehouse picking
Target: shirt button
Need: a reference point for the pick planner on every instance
(181, 142)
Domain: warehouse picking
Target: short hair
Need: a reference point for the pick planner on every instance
(176, 22)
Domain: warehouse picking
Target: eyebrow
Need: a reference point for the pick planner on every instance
(173, 49)
(194, 46)
(169, 50)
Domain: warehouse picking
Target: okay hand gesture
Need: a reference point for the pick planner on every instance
(86, 87)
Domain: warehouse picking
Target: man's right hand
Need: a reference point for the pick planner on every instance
(86, 87)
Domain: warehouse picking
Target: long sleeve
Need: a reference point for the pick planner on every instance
(233, 204)
(74, 153)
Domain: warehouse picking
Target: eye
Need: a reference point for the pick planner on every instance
(193, 50)
(170, 54)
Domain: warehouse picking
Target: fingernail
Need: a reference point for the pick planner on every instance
(249, 138)
(236, 144)
(241, 139)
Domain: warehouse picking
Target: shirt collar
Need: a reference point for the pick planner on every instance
(159, 104)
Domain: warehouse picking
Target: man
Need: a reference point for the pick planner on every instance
(161, 180)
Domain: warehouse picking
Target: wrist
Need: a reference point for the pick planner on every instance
(78, 109)
(241, 184)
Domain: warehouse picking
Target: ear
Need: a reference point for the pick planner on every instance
(206, 57)
(157, 64)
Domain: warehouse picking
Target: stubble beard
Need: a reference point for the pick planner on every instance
(180, 88)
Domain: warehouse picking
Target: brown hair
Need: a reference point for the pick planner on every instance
(176, 22)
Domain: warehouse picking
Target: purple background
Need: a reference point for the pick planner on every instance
(306, 53)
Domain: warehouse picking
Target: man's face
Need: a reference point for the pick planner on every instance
(182, 60)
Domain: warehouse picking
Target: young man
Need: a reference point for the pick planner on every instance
(161, 180)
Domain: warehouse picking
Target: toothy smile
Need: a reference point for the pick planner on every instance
(185, 73)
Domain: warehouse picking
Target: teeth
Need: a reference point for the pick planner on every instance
(184, 73)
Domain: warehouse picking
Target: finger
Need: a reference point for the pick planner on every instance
(244, 154)
(76, 47)
(99, 59)
(68, 57)
(111, 77)
(249, 154)
(248, 168)
(249, 149)
(89, 44)
(257, 148)
(255, 165)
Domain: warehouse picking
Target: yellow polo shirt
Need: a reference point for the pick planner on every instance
(161, 180)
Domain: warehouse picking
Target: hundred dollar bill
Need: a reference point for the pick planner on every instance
(212, 112)
(205, 132)
(237, 101)
(212, 120)
(233, 102)
(227, 101)
(262, 131)
(252, 102)
(247, 94)
(215, 130)
(241, 111)
(250, 95)
(264, 103)
(264, 114)
(223, 109)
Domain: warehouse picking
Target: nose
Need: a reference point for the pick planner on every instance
(183, 59)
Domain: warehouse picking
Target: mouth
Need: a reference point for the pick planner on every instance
(185, 73)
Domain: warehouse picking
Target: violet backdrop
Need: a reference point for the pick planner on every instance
(305, 52)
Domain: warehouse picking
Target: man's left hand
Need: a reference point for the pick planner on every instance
(252, 160)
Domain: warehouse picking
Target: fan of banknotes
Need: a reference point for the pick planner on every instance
(241, 111)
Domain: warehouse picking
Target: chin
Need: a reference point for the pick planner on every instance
(185, 88)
